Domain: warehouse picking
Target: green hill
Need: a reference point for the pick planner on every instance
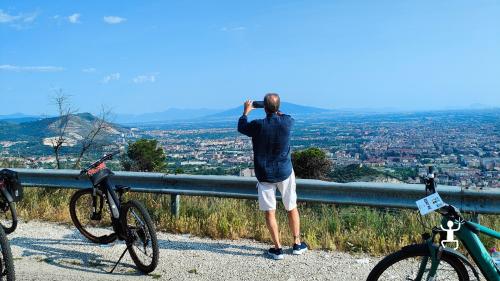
(35, 133)
(360, 173)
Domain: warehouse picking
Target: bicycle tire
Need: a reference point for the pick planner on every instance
(95, 238)
(7, 262)
(10, 209)
(150, 233)
(414, 251)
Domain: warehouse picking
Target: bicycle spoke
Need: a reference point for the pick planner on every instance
(96, 225)
(141, 247)
(137, 217)
(144, 252)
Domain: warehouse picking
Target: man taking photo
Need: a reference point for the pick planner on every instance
(273, 168)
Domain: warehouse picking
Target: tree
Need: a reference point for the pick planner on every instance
(311, 163)
(145, 156)
(99, 126)
(64, 111)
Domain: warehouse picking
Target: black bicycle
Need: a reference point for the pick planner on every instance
(102, 217)
(6, 260)
(11, 192)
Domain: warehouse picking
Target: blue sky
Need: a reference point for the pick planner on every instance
(146, 56)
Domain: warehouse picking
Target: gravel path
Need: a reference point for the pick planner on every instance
(46, 251)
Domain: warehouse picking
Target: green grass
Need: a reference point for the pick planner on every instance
(155, 275)
(344, 228)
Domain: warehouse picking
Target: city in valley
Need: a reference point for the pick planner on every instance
(464, 145)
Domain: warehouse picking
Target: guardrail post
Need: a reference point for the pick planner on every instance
(175, 203)
(475, 217)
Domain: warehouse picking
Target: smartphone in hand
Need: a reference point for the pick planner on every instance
(258, 104)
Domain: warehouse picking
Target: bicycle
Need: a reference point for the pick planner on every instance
(104, 223)
(7, 271)
(412, 262)
(11, 192)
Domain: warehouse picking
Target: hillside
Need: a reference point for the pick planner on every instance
(37, 135)
(360, 173)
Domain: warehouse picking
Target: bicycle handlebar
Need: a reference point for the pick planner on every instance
(98, 162)
(430, 188)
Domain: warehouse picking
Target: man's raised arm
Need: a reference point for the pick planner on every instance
(243, 126)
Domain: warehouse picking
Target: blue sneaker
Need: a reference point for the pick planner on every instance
(276, 254)
(299, 249)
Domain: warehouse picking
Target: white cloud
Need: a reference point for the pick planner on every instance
(230, 29)
(111, 77)
(74, 18)
(16, 68)
(19, 21)
(5, 18)
(113, 19)
(30, 17)
(144, 78)
(89, 70)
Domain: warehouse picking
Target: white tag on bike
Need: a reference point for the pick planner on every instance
(430, 203)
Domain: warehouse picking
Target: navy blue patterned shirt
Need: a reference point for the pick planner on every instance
(271, 145)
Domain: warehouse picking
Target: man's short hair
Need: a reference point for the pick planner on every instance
(272, 102)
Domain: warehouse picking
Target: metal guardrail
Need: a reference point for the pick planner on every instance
(355, 193)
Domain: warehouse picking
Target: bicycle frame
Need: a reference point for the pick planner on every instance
(114, 204)
(470, 239)
(467, 234)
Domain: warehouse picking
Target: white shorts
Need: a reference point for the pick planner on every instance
(267, 194)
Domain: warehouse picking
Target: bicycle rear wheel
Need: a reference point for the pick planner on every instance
(8, 216)
(142, 243)
(404, 265)
(6, 260)
(94, 225)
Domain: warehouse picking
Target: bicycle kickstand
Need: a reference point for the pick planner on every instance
(119, 260)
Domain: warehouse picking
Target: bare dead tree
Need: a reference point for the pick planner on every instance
(99, 125)
(61, 100)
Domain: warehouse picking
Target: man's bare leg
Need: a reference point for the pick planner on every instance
(294, 223)
(272, 225)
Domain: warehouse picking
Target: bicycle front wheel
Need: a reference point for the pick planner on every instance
(6, 260)
(8, 218)
(405, 264)
(141, 241)
(96, 224)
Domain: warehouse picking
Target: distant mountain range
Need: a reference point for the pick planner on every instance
(285, 107)
(173, 114)
(20, 118)
(167, 115)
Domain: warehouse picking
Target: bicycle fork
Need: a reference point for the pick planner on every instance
(435, 257)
